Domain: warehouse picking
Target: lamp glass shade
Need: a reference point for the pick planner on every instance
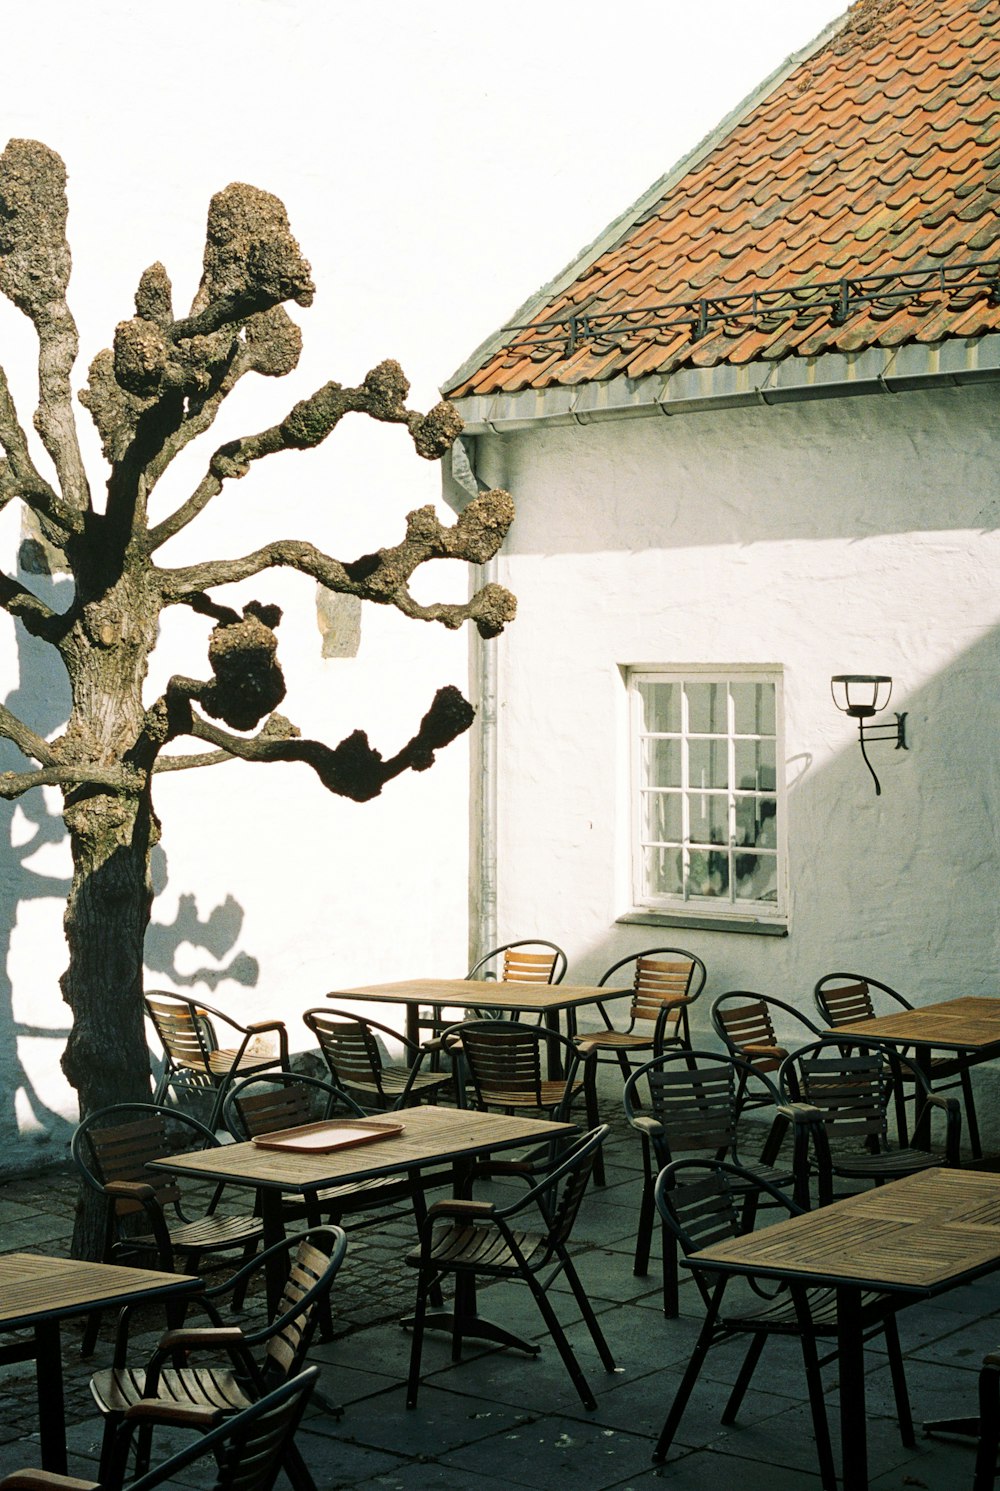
(861, 694)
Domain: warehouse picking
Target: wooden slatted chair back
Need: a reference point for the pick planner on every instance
(287, 1347)
(187, 1040)
(504, 1061)
(254, 1460)
(696, 1108)
(570, 1195)
(658, 983)
(268, 1110)
(749, 1025)
(846, 1004)
(350, 1049)
(520, 967)
(123, 1151)
(851, 1090)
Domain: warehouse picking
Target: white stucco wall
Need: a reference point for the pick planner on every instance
(849, 535)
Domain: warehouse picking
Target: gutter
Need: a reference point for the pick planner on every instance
(954, 363)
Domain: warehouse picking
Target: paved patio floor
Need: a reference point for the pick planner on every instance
(501, 1418)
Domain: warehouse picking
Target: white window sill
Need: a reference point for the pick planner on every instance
(706, 922)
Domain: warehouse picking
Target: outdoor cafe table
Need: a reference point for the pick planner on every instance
(969, 1024)
(547, 1000)
(429, 1136)
(916, 1237)
(37, 1293)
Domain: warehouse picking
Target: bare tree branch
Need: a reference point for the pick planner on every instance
(184, 763)
(24, 480)
(15, 784)
(381, 396)
(36, 617)
(354, 768)
(382, 577)
(27, 742)
(34, 273)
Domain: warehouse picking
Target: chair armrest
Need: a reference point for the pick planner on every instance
(459, 1209)
(952, 1110)
(650, 1127)
(778, 1052)
(45, 1480)
(183, 1415)
(144, 1196)
(797, 1113)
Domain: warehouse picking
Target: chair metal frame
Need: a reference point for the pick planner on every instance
(849, 1001)
(661, 997)
(747, 1031)
(846, 1088)
(111, 1148)
(692, 1107)
(350, 1049)
(468, 1238)
(249, 1449)
(170, 1377)
(708, 1210)
(194, 1060)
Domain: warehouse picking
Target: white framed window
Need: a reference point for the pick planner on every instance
(708, 792)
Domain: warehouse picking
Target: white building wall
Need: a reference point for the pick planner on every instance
(849, 535)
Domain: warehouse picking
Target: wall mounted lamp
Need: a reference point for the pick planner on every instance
(862, 695)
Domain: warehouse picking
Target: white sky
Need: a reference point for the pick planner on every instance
(439, 160)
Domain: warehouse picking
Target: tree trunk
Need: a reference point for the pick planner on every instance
(106, 1057)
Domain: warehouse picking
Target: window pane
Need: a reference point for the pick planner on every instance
(754, 708)
(707, 708)
(709, 873)
(661, 707)
(663, 872)
(661, 763)
(708, 764)
(756, 877)
(661, 817)
(756, 822)
(709, 817)
(755, 764)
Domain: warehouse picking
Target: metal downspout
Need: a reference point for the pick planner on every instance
(490, 471)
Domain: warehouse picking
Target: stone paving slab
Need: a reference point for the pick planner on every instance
(503, 1417)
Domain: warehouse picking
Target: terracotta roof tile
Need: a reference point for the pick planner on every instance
(877, 154)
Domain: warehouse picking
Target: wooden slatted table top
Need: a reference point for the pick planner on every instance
(483, 994)
(921, 1234)
(430, 1135)
(969, 1023)
(33, 1287)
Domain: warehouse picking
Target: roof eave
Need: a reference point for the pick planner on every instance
(952, 362)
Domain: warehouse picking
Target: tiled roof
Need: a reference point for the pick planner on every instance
(855, 203)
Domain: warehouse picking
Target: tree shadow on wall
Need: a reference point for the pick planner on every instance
(28, 827)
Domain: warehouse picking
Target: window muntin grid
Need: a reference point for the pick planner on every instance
(708, 801)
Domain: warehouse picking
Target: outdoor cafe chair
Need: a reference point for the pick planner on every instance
(151, 1216)
(254, 1361)
(284, 1100)
(530, 960)
(193, 1059)
(685, 1103)
(847, 1091)
(665, 983)
(350, 1048)
(248, 1449)
(704, 1203)
(504, 1063)
(744, 1022)
(844, 998)
(471, 1239)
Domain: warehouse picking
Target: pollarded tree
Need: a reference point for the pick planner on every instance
(156, 390)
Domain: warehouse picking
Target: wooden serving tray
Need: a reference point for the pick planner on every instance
(330, 1134)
